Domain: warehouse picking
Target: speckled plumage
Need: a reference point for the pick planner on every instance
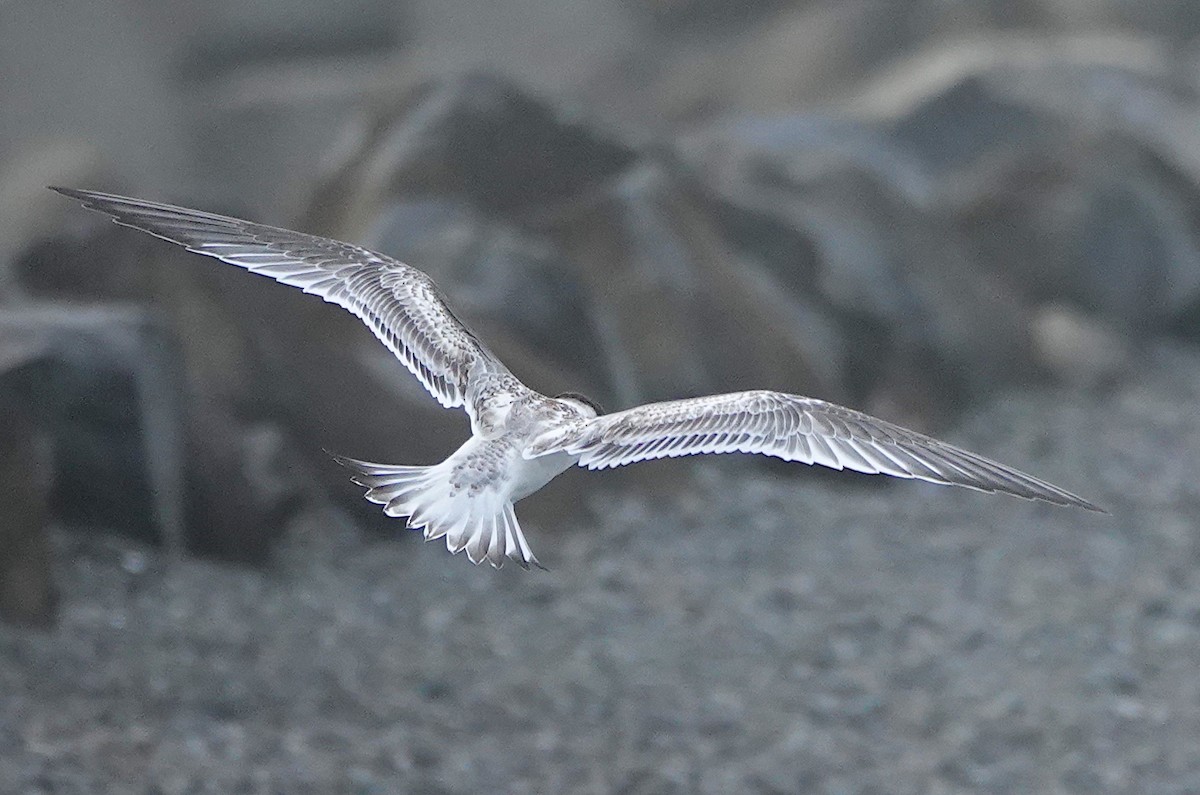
(520, 438)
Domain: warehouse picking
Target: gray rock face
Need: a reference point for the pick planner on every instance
(106, 396)
(970, 191)
(476, 138)
(150, 426)
(27, 592)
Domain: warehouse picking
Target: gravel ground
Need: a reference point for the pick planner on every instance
(760, 632)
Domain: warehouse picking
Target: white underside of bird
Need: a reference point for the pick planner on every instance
(521, 439)
(465, 499)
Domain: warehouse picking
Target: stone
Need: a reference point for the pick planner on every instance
(27, 592)
(108, 397)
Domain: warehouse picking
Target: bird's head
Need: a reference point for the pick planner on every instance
(582, 403)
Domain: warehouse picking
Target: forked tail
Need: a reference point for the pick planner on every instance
(482, 523)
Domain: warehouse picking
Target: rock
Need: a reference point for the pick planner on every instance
(479, 139)
(109, 402)
(954, 129)
(1067, 163)
(27, 593)
(208, 351)
(1078, 348)
(685, 312)
(950, 199)
(842, 223)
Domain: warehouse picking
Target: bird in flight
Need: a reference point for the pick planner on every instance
(520, 438)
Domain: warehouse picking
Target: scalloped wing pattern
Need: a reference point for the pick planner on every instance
(400, 304)
(792, 428)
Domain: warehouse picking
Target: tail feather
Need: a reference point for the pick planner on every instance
(518, 548)
(483, 524)
(477, 544)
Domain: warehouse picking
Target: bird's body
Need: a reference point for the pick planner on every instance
(521, 439)
(468, 498)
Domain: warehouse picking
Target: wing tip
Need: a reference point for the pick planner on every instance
(1070, 500)
(1061, 501)
(1039, 491)
(78, 194)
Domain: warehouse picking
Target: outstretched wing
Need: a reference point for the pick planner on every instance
(399, 303)
(790, 427)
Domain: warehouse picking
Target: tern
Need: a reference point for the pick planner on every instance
(520, 438)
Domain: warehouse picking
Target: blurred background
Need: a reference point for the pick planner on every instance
(981, 220)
